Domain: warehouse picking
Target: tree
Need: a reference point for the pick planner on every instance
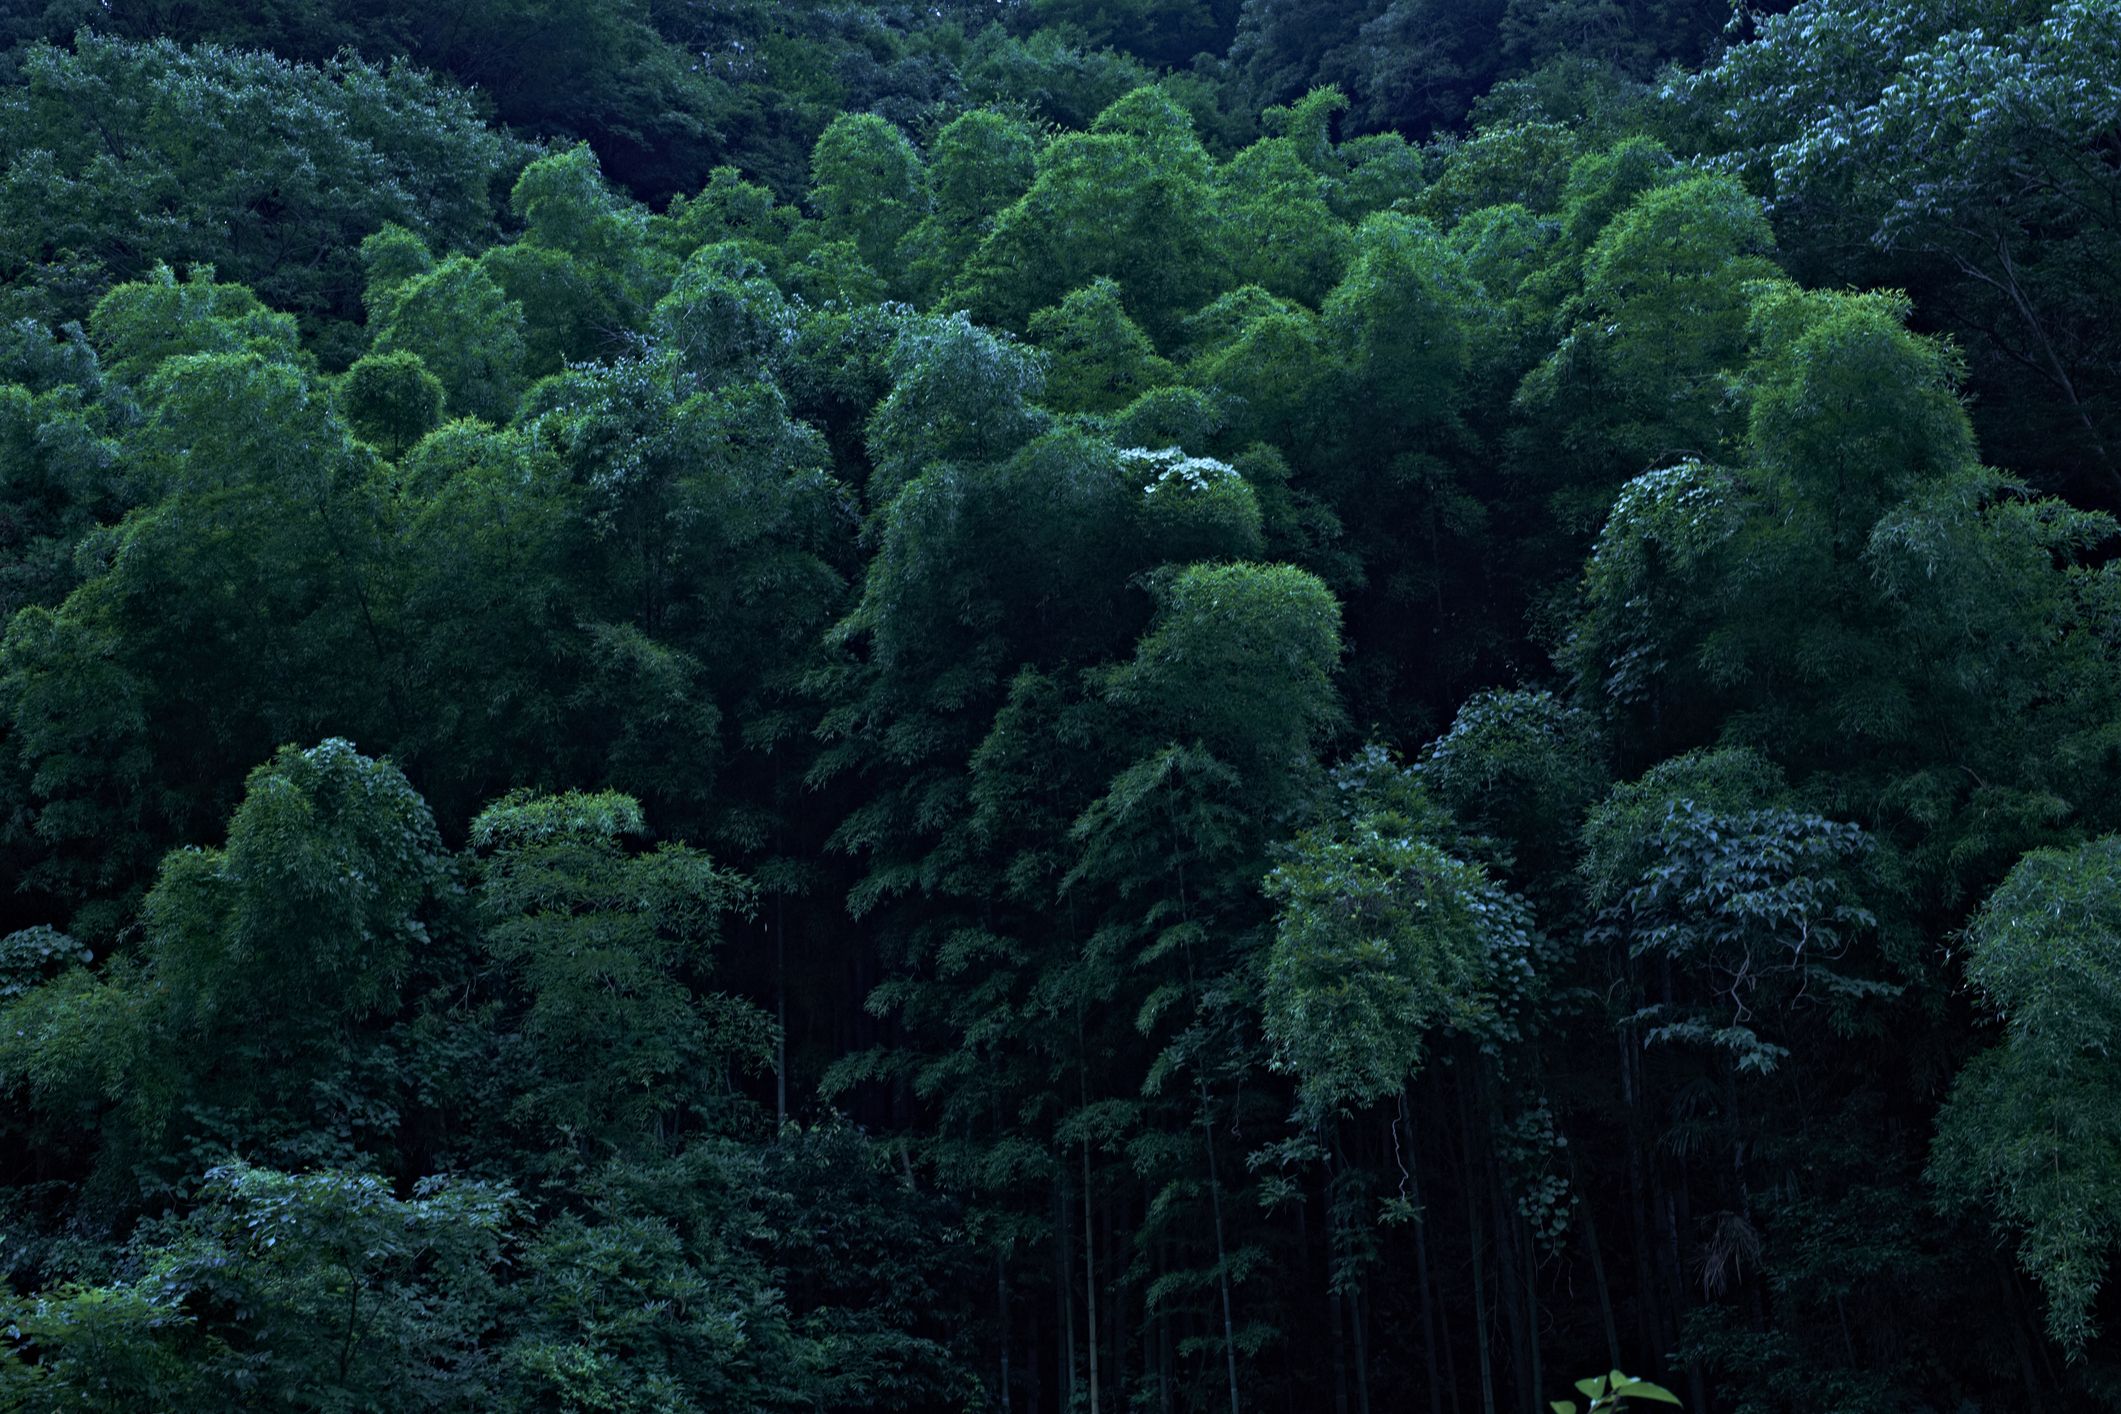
(309, 1291)
(965, 485)
(1283, 235)
(60, 469)
(611, 953)
(1754, 909)
(122, 154)
(581, 270)
(1220, 709)
(1132, 199)
(1098, 360)
(1948, 149)
(139, 325)
(467, 332)
(1413, 331)
(1859, 473)
(240, 1021)
(2031, 1130)
(391, 400)
(868, 186)
(1381, 938)
(979, 164)
(263, 508)
(1658, 329)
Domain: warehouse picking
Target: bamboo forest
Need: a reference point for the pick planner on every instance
(1060, 706)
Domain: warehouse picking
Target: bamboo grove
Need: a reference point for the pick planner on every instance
(1150, 705)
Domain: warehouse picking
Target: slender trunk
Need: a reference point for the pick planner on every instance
(1509, 1273)
(2012, 1310)
(1156, 1328)
(1116, 1321)
(1163, 1346)
(1421, 1249)
(1451, 1381)
(1349, 1286)
(780, 1007)
(1082, 1091)
(1678, 1216)
(1063, 1295)
(1002, 1323)
(353, 1326)
(1531, 1313)
(1598, 1277)
(1668, 1222)
(1222, 1255)
(1339, 1342)
(1360, 1310)
(1480, 1296)
(1336, 1329)
(1031, 1366)
(1090, 1276)
(1639, 1206)
(1001, 1313)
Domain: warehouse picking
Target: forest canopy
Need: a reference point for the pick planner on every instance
(1162, 705)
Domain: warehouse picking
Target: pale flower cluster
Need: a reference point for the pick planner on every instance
(1169, 466)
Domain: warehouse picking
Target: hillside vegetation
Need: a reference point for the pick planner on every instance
(1084, 705)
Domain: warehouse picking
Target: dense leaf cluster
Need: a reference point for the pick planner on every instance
(1151, 705)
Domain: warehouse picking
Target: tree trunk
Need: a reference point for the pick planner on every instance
(1090, 1277)
(1360, 1310)
(1598, 1278)
(1473, 1234)
(1063, 1295)
(780, 1008)
(1222, 1255)
(1116, 1317)
(1339, 1342)
(1421, 1250)
(1525, 1241)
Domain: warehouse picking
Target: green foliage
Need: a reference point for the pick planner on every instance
(1659, 327)
(1407, 314)
(1522, 768)
(1131, 199)
(979, 164)
(327, 860)
(723, 319)
(260, 501)
(612, 951)
(1283, 235)
(260, 960)
(2031, 1127)
(968, 479)
(868, 186)
(27, 955)
(391, 400)
(1270, 360)
(122, 154)
(1194, 508)
(1098, 360)
(60, 468)
(1756, 906)
(1239, 658)
(1381, 939)
(458, 321)
(958, 394)
(137, 326)
(311, 1291)
(1608, 1392)
(1943, 148)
